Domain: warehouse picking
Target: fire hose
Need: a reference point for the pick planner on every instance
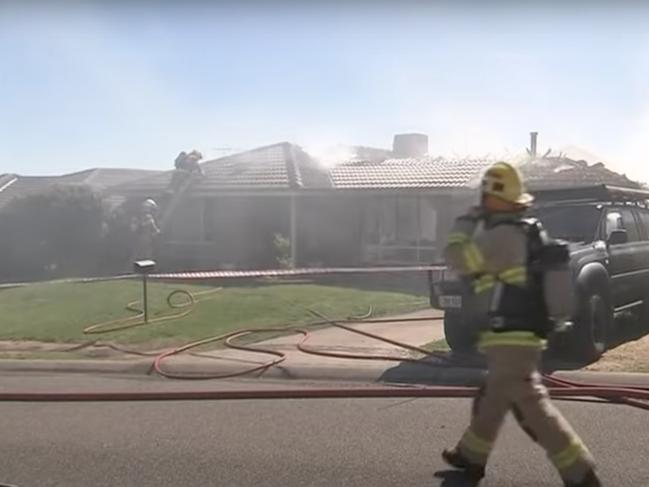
(557, 388)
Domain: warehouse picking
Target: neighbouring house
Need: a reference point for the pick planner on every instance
(553, 172)
(26, 258)
(13, 186)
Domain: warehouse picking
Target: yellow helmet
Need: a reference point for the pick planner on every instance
(503, 181)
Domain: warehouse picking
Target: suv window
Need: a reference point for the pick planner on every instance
(613, 222)
(623, 219)
(643, 216)
(570, 222)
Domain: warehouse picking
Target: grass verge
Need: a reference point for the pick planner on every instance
(437, 346)
(60, 312)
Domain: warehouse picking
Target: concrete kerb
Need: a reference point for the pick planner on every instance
(404, 373)
(141, 367)
(392, 372)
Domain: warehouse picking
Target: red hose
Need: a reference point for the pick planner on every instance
(558, 388)
(624, 399)
(226, 338)
(302, 393)
(229, 338)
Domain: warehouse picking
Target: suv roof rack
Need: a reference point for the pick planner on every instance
(596, 193)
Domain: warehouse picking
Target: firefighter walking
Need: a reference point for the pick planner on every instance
(522, 285)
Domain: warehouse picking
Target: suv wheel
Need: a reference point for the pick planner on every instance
(592, 327)
(459, 334)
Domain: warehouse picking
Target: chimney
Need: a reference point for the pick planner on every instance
(533, 137)
(410, 145)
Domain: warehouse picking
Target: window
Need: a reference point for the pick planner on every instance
(187, 223)
(428, 221)
(644, 223)
(398, 220)
(572, 223)
(401, 228)
(630, 225)
(622, 219)
(407, 221)
(613, 222)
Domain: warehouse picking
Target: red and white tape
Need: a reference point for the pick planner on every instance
(293, 272)
(221, 274)
(82, 280)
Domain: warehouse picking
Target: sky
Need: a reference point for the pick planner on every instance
(131, 84)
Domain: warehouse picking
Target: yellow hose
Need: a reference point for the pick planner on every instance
(138, 318)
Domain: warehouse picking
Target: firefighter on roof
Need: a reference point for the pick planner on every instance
(521, 278)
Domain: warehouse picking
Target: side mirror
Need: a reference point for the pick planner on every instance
(617, 237)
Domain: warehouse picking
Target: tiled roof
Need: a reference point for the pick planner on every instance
(102, 178)
(6, 179)
(98, 179)
(285, 166)
(558, 172)
(408, 173)
(280, 166)
(450, 173)
(25, 186)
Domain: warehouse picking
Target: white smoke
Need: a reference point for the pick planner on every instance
(328, 154)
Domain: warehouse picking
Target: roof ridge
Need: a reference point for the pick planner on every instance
(249, 151)
(292, 169)
(8, 183)
(77, 173)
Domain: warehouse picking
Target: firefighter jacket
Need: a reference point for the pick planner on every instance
(513, 266)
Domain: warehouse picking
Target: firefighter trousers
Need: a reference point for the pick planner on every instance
(514, 384)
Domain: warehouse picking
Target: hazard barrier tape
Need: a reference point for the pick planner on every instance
(72, 280)
(293, 272)
(221, 274)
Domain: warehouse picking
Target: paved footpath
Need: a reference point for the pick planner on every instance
(301, 365)
(309, 367)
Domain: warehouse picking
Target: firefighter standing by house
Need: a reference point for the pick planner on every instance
(146, 230)
(504, 258)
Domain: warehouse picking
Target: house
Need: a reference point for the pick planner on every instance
(379, 207)
(405, 206)
(394, 207)
(229, 216)
(381, 211)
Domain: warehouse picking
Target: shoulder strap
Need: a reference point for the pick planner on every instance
(533, 229)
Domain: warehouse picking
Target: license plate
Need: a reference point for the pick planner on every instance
(446, 302)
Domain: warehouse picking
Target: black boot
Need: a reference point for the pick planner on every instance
(590, 480)
(455, 459)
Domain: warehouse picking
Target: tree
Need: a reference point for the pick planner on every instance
(52, 234)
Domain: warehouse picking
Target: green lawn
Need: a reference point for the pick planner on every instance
(437, 346)
(59, 312)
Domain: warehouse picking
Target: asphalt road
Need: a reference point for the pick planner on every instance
(378, 442)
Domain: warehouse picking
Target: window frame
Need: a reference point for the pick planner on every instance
(643, 225)
(621, 210)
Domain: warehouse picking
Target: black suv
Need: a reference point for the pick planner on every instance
(608, 232)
